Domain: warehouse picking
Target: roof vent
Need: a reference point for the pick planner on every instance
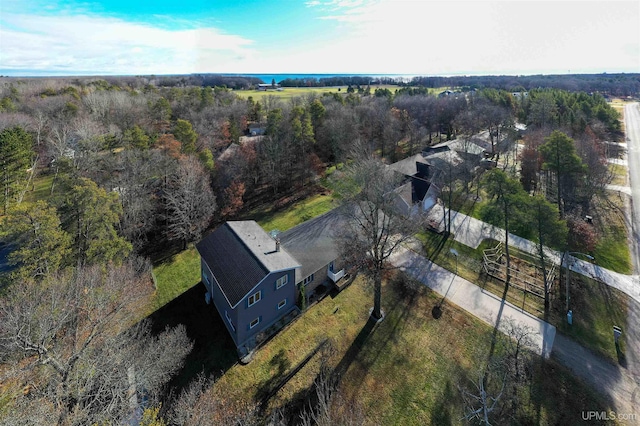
(274, 235)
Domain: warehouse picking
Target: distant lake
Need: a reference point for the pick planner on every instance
(267, 78)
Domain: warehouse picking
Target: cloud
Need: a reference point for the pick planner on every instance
(431, 37)
(111, 45)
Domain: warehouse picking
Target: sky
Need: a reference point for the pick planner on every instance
(134, 37)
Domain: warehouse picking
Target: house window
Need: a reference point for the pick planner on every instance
(206, 277)
(254, 322)
(307, 280)
(255, 298)
(282, 281)
(282, 303)
(226, 314)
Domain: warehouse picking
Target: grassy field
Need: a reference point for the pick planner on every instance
(403, 371)
(597, 307)
(291, 92)
(612, 250)
(295, 214)
(618, 105)
(619, 174)
(40, 189)
(175, 276)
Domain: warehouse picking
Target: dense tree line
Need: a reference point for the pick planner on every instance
(337, 81)
(608, 84)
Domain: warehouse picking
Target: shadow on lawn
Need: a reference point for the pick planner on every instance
(445, 406)
(397, 312)
(213, 350)
(435, 244)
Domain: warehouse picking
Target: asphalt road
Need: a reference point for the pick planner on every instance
(632, 125)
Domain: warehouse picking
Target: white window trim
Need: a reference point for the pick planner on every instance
(259, 294)
(307, 280)
(251, 324)
(282, 281)
(282, 304)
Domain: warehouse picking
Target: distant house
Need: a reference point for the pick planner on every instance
(251, 280)
(267, 86)
(257, 282)
(418, 192)
(475, 147)
(256, 129)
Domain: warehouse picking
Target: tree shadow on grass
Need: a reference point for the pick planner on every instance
(435, 244)
(213, 350)
(367, 347)
(355, 348)
(442, 412)
(272, 385)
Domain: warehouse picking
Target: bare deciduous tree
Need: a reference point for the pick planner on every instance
(375, 228)
(189, 201)
(198, 405)
(80, 356)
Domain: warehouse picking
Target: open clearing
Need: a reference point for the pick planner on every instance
(291, 92)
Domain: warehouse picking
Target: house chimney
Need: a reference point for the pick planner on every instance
(277, 244)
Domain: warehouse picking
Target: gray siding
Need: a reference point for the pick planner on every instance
(319, 277)
(229, 316)
(267, 308)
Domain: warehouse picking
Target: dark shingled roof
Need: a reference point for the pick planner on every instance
(240, 254)
(313, 242)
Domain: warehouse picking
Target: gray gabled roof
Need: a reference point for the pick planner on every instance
(408, 166)
(313, 242)
(240, 254)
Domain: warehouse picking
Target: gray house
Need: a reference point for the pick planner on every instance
(418, 193)
(251, 280)
(313, 244)
(258, 284)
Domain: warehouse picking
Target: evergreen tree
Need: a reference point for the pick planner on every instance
(93, 215)
(559, 156)
(183, 132)
(15, 158)
(42, 245)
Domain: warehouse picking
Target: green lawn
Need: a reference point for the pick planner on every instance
(612, 250)
(291, 92)
(175, 276)
(404, 371)
(619, 174)
(295, 214)
(40, 188)
(596, 309)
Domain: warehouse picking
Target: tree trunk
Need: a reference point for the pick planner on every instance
(377, 296)
(506, 245)
(542, 265)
